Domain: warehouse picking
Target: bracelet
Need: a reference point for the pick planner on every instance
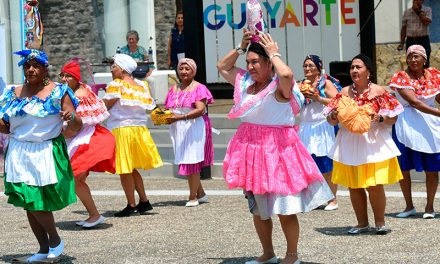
(72, 116)
(274, 55)
(186, 116)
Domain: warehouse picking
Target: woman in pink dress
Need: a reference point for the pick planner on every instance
(93, 148)
(265, 157)
(190, 128)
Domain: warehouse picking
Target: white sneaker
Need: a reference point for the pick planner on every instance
(203, 199)
(192, 203)
(407, 213)
(271, 261)
(36, 257)
(56, 251)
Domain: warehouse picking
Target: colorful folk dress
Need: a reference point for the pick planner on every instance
(93, 148)
(135, 149)
(38, 175)
(369, 159)
(314, 131)
(192, 138)
(417, 134)
(266, 158)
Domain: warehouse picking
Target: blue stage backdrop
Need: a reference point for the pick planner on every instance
(434, 28)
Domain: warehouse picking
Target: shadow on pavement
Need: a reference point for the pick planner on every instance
(13, 258)
(339, 231)
(71, 226)
(394, 215)
(244, 259)
(170, 203)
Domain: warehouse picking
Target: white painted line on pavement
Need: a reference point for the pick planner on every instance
(232, 193)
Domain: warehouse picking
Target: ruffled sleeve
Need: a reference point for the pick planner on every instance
(5, 102)
(91, 108)
(64, 88)
(389, 105)
(130, 95)
(202, 92)
(168, 100)
(400, 80)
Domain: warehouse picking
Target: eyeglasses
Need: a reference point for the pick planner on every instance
(65, 75)
(310, 66)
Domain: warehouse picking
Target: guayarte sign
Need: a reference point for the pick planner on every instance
(327, 28)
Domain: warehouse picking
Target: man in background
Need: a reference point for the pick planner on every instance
(415, 27)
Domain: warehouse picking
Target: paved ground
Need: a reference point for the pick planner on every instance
(218, 232)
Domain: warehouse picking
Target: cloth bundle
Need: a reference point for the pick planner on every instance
(355, 118)
(254, 18)
(306, 86)
(159, 116)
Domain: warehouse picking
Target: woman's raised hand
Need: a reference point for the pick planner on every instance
(270, 46)
(246, 39)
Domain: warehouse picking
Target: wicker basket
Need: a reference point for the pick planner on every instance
(159, 116)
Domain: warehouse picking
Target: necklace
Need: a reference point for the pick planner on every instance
(254, 87)
(364, 95)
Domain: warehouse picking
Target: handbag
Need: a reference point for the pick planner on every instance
(141, 71)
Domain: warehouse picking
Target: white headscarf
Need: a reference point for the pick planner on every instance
(126, 62)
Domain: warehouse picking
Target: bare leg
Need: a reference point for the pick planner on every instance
(358, 199)
(264, 231)
(47, 222)
(378, 203)
(405, 186)
(39, 232)
(333, 187)
(139, 185)
(195, 186)
(127, 182)
(431, 189)
(84, 194)
(290, 226)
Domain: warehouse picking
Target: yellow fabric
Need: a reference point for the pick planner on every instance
(135, 149)
(123, 90)
(366, 175)
(354, 118)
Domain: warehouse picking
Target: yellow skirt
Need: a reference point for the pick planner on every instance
(135, 149)
(366, 175)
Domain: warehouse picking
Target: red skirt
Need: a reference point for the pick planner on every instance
(98, 155)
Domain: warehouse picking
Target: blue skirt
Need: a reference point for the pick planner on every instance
(415, 160)
(325, 164)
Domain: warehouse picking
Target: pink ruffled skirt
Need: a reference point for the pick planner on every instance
(269, 159)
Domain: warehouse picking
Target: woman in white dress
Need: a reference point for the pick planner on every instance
(190, 128)
(315, 132)
(365, 162)
(38, 175)
(417, 131)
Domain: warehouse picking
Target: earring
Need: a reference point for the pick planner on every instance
(46, 81)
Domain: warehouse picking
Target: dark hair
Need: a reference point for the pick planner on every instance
(132, 32)
(256, 47)
(180, 12)
(366, 60)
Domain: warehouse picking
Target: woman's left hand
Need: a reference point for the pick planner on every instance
(270, 46)
(67, 115)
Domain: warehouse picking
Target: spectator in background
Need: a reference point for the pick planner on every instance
(176, 42)
(138, 53)
(415, 27)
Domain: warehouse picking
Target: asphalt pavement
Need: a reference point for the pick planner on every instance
(220, 231)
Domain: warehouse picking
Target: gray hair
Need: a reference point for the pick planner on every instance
(132, 32)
